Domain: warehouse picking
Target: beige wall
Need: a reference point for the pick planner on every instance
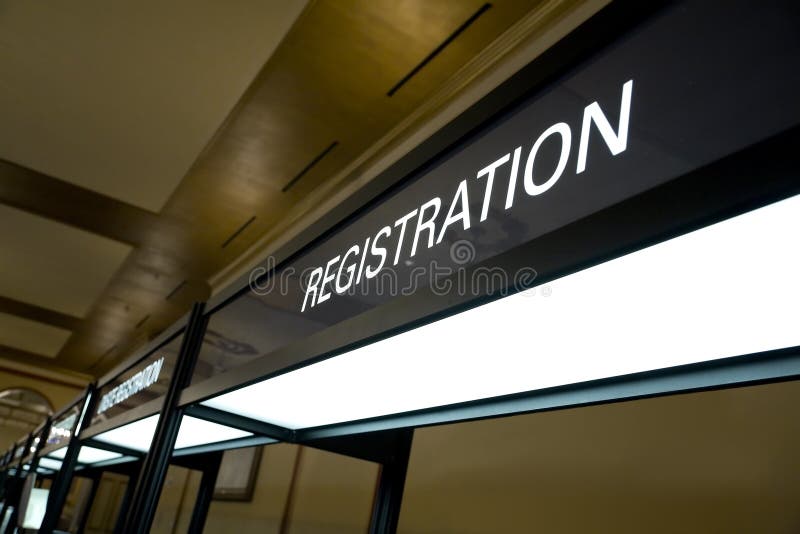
(723, 461)
(333, 494)
(106, 506)
(175, 505)
(265, 512)
(297, 491)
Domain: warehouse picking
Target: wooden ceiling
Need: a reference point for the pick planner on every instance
(147, 154)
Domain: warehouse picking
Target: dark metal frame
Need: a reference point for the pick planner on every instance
(151, 479)
(63, 479)
(14, 485)
(145, 409)
(84, 431)
(713, 193)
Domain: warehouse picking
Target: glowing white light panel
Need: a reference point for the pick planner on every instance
(729, 289)
(87, 455)
(50, 463)
(37, 505)
(193, 431)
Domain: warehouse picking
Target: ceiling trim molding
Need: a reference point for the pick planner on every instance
(33, 365)
(49, 197)
(39, 314)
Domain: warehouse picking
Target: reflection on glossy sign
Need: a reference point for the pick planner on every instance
(62, 430)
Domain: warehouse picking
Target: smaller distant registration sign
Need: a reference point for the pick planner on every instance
(138, 382)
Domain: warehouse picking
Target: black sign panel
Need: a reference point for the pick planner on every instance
(147, 380)
(693, 84)
(62, 428)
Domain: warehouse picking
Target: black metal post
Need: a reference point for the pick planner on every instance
(8, 490)
(154, 470)
(3, 476)
(133, 478)
(39, 446)
(205, 492)
(14, 498)
(386, 510)
(63, 479)
(87, 510)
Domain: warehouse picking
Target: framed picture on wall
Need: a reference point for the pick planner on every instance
(237, 474)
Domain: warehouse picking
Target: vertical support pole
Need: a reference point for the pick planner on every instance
(39, 446)
(63, 479)
(133, 479)
(87, 510)
(14, 498)
(3, 475)
(386, 511)
(9, 484)
(205, 492)
(154, 470)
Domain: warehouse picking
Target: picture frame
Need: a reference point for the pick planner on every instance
(237, 474)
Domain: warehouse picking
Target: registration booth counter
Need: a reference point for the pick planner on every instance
(571, 309)
(469, 323)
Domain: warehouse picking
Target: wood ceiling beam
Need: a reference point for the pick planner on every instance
(32, 360)
(38, 314)
(76, 206)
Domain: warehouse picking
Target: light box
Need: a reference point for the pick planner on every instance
(35, 508)
(87, 455)
(50, 463)
(6, 518)
(725, 290)
(193, 431)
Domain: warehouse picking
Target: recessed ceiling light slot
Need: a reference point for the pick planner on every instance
(174, 291)
(238, 231)
(144, 320)
(105, 355)
(436, 51)
(308, 167)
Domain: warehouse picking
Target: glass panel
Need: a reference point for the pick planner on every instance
(105, 508)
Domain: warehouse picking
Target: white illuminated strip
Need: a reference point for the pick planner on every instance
(50, 463)
(34, 511)
(725, 290)
(195, 432)
(139, 434)
(87, 455)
